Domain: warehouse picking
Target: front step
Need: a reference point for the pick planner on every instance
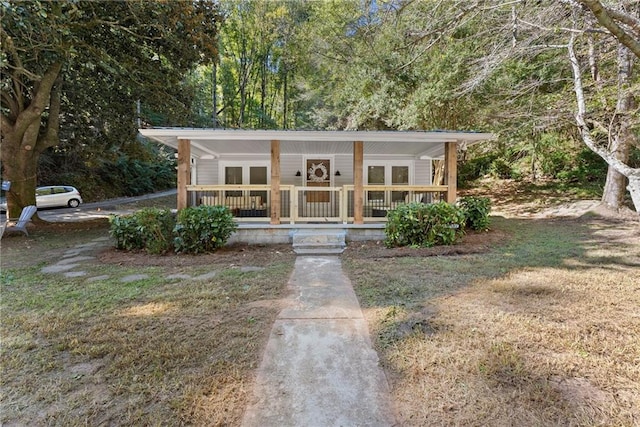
(319, 242)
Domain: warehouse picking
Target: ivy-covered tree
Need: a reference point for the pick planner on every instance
(55, 51)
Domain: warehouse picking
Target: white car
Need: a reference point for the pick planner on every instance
(57, 195)
(54, 196)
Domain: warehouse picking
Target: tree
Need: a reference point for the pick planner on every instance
(378, 65)
(624, 24)
(124, 45)
(256, 61)
(534, 35)
(620, 22)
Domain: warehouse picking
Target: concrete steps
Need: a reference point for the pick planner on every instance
(319, 241)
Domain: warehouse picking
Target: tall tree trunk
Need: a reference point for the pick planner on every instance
(285, 96)
(633, 174)
(621, 136)
(214, 92)
(24, 139)
(263, 90)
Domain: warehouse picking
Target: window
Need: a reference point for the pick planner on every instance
(399, 176)
(245, 173)
(387, 173)
(375, 176)
(233, 176)
(258, 176)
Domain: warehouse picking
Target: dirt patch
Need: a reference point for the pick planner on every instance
(231, 255)
(472, 242)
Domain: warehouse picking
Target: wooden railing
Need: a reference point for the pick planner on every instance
(379, 199)
(252, 203)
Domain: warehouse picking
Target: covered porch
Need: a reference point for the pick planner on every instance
(296, 177)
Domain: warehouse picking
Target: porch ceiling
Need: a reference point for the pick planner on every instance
(213, 143)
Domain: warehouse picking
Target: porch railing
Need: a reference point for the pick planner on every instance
(379, 199)
(252, 203)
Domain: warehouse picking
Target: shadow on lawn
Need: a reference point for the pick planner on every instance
(509, 335)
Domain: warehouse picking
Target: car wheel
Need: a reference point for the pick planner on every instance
(74, 203)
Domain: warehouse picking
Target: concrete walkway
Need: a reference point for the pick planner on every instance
(319, 368)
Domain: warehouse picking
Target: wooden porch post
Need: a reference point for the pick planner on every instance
(275, 182)
(358, 185)
(451, 170)
(184, 171)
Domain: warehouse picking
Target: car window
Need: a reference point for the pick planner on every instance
(43, 191)
(58, 190)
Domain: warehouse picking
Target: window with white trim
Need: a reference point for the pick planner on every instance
(247, 173)
(387, 172)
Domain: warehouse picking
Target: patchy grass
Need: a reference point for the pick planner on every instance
(541, 330)
(152, 351)
(536, 323)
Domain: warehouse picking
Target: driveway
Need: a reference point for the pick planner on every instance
(102, 209)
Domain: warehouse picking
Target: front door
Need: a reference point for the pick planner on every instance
(318, 174)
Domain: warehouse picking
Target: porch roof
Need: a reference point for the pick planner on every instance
(212, 143)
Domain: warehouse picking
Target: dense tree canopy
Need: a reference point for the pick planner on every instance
(73, 72)
(83, 65)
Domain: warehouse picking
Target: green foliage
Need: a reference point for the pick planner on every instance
(254, 72)
(475, 168)
(99, 177)
(419, 224)
(149, 229)
(476, 212)
(156, 228)
(196, 230)
(501, 168)
(82, 66)
(587, 167)
(203, 228)
(124, 229)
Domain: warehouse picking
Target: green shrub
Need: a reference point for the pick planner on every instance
(203, 228)
(156, 228)
(476, 212)
(149, 229)
(419, 224)
(124, 228)
(555, 163)
(589, 167)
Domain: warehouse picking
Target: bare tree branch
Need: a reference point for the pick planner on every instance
(632, 174)
(631, 21)
(604, 16)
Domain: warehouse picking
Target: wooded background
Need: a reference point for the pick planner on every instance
(554, 80)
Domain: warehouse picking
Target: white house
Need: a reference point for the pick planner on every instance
(282, 176)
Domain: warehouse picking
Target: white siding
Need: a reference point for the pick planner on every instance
(206, 172)
(422, 172)
(289, 165)
(344, 164)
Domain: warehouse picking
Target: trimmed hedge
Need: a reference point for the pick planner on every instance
(157, 231)
(203, 228)
(419, 224)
